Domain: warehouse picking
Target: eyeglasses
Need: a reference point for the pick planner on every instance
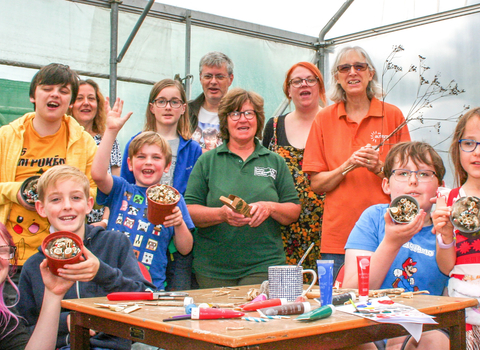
(162, 103)
(346, 68)
(218, 77)
(468, 145)
(403, 175)
(249, 115)
(7, 252)
(297, 82)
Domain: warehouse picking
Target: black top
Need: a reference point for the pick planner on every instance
(268, 134)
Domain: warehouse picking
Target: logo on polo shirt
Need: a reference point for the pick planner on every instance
(265, 172)
(377, 136)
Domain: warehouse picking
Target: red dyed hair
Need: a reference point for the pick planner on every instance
(315, 71)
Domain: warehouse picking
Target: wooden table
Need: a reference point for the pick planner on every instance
(337, 331)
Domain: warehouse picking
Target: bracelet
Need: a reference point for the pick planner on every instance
(105, 221)
(443, 245)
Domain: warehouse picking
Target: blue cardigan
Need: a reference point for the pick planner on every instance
(188, 153)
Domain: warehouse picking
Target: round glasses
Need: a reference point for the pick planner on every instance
(297, 82)
(403, 175)
(7, 252)
(468, 145)
(346, 68)
(236, 115)
(162, 102)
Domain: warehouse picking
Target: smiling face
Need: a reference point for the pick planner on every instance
(51, 102)
(243, 130)
(421, 191)
(148, 165)
(85, 106)
(304, 97)
(354, 82)
(65, 205)
(215, 89)
(167, 116)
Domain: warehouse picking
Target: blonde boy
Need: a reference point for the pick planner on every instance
(108, 265)
(149, 158)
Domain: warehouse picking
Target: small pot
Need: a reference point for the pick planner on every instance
(28, 197)
(156, 211)
(403, 209)
(56, 263)
(465, 216)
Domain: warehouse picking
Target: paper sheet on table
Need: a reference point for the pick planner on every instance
(385, 310)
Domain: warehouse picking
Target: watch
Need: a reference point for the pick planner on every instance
(443, 245)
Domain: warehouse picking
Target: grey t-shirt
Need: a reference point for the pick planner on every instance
(167, 178)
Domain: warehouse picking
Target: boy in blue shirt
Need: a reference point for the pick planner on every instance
(149, 157)
(402, 255)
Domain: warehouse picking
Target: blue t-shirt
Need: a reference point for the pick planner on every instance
(415, 267)
(128, 214)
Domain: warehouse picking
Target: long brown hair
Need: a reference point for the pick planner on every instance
(100, 118)
(183, 125)
(460, 173)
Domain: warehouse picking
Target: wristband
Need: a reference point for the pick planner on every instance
(105, 221)
(443, 245)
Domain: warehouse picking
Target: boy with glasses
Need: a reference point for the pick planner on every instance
(402, 255)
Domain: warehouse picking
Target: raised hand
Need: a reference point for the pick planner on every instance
(115, 121)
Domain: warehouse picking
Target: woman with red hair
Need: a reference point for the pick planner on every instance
(287, 135)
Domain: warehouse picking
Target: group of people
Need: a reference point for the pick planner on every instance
(318, 174)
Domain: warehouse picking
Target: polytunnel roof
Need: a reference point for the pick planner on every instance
(310, 16)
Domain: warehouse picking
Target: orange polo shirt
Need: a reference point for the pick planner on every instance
(332, 140)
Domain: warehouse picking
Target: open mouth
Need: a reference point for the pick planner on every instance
(148, 171)
(305, 93)
(68, 218)
(86, 110)
(354, 82)
(53, 104)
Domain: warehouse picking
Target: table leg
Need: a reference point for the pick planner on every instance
(79, 335)
(458, 336)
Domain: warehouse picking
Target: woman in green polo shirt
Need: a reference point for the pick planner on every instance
(231, 249)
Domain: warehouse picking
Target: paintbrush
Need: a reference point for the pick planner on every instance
(305, 255)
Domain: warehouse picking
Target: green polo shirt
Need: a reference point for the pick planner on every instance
(226, 252)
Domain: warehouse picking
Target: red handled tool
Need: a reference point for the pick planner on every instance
(146, 295)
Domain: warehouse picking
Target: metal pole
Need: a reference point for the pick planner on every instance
(135, 30)
(113, 49)
(321, 36)
(188, 51)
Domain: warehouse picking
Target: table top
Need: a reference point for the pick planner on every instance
(238, 332)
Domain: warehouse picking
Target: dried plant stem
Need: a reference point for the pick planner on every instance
(353, 166)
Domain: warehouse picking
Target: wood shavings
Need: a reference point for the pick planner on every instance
(132, 309)
(410, 295)
(237, 328)
(252, 294)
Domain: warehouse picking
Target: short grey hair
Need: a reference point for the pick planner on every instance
(216, 59)
(336, 92)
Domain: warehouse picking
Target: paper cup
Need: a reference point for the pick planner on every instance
(55, 263)
(403, 209)
(465, 215)
(156, 211)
